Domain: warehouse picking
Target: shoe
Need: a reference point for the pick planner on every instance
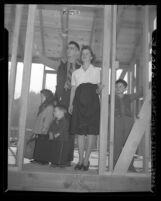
(68, 164)
(78, 166)
(86, 167)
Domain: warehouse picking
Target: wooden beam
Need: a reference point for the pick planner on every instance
(112, 91)
(93, 28)
(42, 33)
(146, 76)
(123, 73)
(25, 83)
(64, 32)
(120, 16)
(134, 138)
(105, 91)
(59, 7)
(13, 70)
(63, 181)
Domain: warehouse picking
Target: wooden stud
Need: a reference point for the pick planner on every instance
(42, 33)
(64, 32)
(93, 29)
(25, 83)
(123, 73)
(14, 63)
(113, 78)
(146, 76)
(134, 138)
(105, 91)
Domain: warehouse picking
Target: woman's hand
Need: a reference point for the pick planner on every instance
(57, 135)
(99, 88)
(51, 136)
(70, 109)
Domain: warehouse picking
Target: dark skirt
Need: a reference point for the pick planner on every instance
(59, 152)
(42, 148)
(86, 110)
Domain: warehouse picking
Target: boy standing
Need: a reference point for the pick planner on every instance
(124, 119)
(58, 136)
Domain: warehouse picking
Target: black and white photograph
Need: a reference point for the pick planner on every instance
(62, 58)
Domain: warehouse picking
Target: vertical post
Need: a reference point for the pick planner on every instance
(64, 35)
(44, 78)
(146, 76)
(13, 70)
(113, 74)
(25, 83)
(105, 91)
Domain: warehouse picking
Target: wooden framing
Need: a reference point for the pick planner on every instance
(93, 28)
(43, 42)
(14, 63)
(105, 91)
(25, 83)
(123, 73)
(66, 182)
(146, 76)
(112, 91)
(64, 32)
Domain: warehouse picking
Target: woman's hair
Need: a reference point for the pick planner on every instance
(121, 81)
(87, 47)
(49, 99)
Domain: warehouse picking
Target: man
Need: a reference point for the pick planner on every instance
(64, 71)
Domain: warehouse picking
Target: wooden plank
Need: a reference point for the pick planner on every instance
(42, 33)
(93, 29)
(105, 91)
(123, 73)
(13, 70)
(113, 79)
(64, 32)
(66, 182)
(25, 83)
(146, 76)
(134, 137)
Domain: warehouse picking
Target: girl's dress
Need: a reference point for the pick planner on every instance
(43, 121)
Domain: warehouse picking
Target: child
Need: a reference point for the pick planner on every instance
(58, 137)
(124, 119)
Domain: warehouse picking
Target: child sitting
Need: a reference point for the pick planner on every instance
(58, 137)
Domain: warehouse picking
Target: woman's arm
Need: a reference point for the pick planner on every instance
(72, 94)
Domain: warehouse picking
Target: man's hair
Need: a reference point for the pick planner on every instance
(121, 81)
(74, 43)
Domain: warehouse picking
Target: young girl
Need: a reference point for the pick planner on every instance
(85, 106)
(58, 137)
(43, 120)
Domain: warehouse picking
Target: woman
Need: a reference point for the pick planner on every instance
(43, 121)
(85, 106)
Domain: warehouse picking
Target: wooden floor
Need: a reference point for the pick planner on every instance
(44, 178)
(35, 177)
